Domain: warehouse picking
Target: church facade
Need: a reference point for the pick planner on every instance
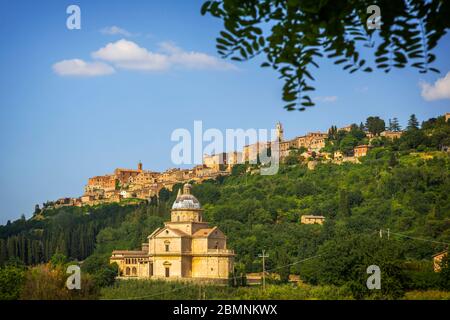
(186, 247)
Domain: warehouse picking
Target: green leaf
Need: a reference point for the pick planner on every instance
(340, 61)
(204, 8)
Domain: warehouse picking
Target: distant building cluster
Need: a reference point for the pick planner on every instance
(139, 183)
(144, 184)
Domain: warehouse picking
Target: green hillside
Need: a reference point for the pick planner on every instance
(402, 186)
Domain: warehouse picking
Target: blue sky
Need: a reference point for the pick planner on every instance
(57, 130)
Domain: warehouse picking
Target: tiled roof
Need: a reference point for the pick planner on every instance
(203, 232)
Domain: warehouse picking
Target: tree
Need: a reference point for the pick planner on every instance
(164, 195)
(332, 133)
(395, 125)
(153, 200)
(106, 276)
(283, 265)
(343, 261)
(238, 169)
(392, 160)
(362, 127)
(37, 209)
(375, 125)
(58, 259)
(292, 158)
(445, 272)
(11, 282)
(293, 35)
(344, 204)
(348, 143)
(413, 123)
(412, 139)
(357, 132)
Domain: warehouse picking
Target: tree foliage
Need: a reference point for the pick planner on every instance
(294, 35)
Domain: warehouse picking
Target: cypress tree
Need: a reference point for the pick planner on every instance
(413, 123)
(344, 205)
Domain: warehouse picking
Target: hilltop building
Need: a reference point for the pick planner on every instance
(185, 248)
(391, 134)
(280, 131)
(361, 150)
(311, 219)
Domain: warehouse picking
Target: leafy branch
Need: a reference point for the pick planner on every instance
(294, 34)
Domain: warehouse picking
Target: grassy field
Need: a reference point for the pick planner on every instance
(163, 290)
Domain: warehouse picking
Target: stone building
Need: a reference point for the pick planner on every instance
(391, 134)
(107, 182)
(234, 158)
(215, 160)
(185, 248)
(361, 151)
(312, 139)
(310, 219)
(251, 152)
(125, 176)
(437, 259)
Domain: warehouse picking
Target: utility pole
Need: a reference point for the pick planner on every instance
(381, 233)
(388, 233)
(264, 256)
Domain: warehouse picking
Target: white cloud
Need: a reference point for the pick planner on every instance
(78, 67)
(115, 30)
(439, 90)
(326, 98)
(127, 54)
(192, 59)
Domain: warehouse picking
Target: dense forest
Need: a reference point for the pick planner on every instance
(391, 210)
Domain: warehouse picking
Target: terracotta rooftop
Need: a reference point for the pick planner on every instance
(203, 232)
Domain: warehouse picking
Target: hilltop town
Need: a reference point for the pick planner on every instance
(311, 148)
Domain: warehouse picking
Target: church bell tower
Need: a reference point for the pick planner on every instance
(279, 129)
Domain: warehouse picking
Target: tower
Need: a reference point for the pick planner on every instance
(140, 166)
(279, 129)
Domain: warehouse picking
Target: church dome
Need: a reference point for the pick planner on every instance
(186, 200)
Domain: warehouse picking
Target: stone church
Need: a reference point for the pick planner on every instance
(186, 247)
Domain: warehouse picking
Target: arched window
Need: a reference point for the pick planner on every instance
(134, 271)
(167, 245)
(127, 271)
